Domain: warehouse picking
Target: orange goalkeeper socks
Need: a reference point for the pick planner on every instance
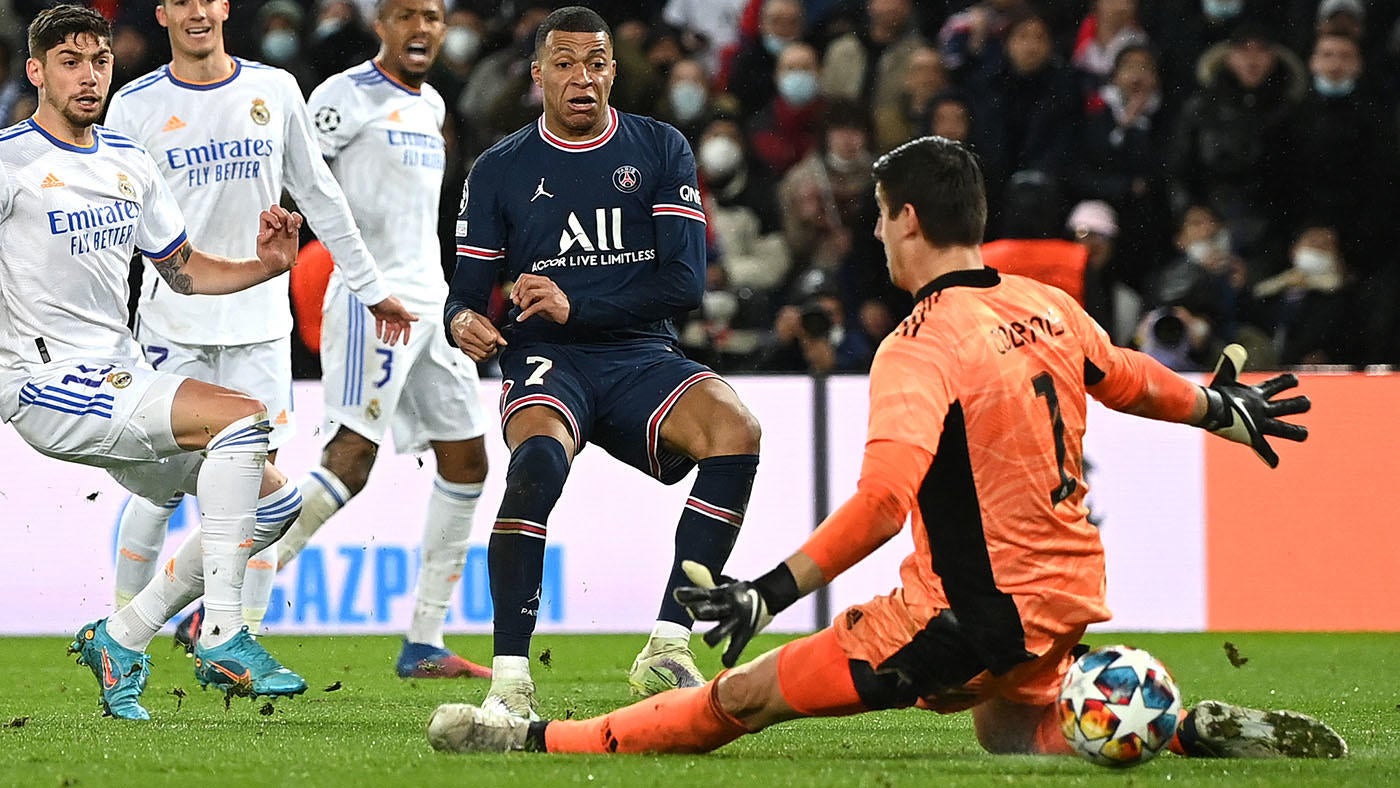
(679, 721)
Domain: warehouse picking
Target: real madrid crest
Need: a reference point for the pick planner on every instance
(124, 186)
(260, 113)
(627, 178)
(373, 411)
(119, 379)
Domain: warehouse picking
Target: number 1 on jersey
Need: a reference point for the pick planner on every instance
(1044, 386)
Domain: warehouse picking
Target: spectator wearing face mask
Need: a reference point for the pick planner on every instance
(1343, 153)
(827, 199)
(787, 129)
(280, 42)
(1109, 28)
(688, 103)
(1183, 30)
(1310, 304)
(743, 211)
(749, 75)
(500, 81)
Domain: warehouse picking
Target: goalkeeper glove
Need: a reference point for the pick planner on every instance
(742, 608)
(1246, 414)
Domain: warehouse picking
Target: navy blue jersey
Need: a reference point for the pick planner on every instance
(615, 221)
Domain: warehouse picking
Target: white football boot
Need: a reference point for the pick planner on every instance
(1216, 729)
(664, 664)
(458, 727)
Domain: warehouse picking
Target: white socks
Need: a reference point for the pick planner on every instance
(507, 669)
(228, 494)
(275, 512)
(322, 495)
(670, 629)
(444, 552)
(140, 535)
(182, 580)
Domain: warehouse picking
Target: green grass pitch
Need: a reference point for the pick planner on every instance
(369, 731)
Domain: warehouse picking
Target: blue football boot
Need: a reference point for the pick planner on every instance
(241, 666)
(120, 671)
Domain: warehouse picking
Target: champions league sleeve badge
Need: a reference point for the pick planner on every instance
(327, 119)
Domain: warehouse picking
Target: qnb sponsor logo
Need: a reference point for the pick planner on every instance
(94, 227)
(690, 193)
(351, 586)
(221, 160)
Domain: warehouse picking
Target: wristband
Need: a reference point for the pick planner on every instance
(778, 588)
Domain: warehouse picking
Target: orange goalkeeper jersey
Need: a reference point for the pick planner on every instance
(988, 376)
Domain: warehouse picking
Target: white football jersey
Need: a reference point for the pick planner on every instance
(227, 149)
(383, 140)
(70, 219)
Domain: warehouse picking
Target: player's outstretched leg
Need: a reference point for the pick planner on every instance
(446, 530)
(708, 528)
(1215, 729)
(140, 535)
(121, 672)
(515, 558)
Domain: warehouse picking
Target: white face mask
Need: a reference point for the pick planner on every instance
(1314, 262)
(720, 157)
(279, 46)
(687, 100)
(461, 44)
(798, 88)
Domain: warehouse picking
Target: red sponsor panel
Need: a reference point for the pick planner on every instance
(1312, 545)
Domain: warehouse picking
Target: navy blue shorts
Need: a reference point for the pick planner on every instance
(615, 396)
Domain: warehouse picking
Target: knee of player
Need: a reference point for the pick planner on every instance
(743, 694)
(467, 467)
(350, 457)
(736, 431)
(538, 466)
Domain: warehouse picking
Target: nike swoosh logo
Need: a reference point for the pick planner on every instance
(109, 680)
(245, 676)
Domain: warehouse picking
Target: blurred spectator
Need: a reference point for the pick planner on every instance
(786, 130)
(950, 116)
(900, 120)
(339, 40)
(828, 198)
(1026, 111)
(709, 26)
(279, 42)
(1229, 146)
(1343, 153)
(1206, 260)
(743, 211)
(813, 337)
(1122, 160)
(973, 37)
(12, 82)
(500, 81)
(749, 76)
(870, 64)
(688, 104)
(1094, 225)
(1110, 27)
(1312, 319)
(1183, 31)
(461, 47)
(131, 55)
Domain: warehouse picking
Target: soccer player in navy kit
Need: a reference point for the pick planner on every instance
(596, 216)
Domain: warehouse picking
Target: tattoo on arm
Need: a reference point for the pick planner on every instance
(169, 269)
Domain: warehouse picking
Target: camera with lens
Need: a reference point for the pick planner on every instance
(816, 321)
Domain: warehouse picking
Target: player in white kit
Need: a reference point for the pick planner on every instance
(76, 201)
(380, 126)
(227, 135)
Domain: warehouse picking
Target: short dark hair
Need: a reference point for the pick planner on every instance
(943, 181)
(571, 19)
(54, 25)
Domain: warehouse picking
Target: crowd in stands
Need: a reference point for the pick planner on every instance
(1195, 171)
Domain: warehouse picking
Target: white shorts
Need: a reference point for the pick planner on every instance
(425, 391)
(262, 370)
(109, 415)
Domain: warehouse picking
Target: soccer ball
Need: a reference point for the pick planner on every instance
(1118, 706)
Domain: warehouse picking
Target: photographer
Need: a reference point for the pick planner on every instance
(813, 337)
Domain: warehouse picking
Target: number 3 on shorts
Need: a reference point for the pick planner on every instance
(537, 377)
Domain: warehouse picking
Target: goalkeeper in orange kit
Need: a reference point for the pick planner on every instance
(977, 417)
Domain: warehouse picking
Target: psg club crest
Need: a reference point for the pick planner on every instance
(627, 178)
(260, 113)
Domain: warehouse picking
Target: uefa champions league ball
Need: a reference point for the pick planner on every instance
(1118, 706)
